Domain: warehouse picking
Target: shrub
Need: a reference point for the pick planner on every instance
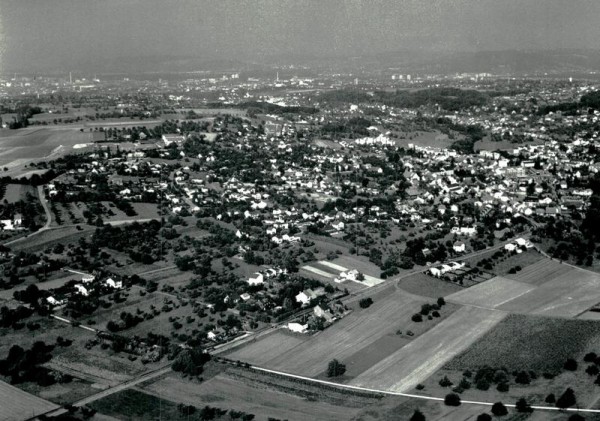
(576, 417)
(484, 417)
(550, 398)
(441, 302)
(499, 410)
(590, 357)
(445, 382)
(420, 386)
(452, 399)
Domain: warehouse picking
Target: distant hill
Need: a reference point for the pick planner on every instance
(514, 62)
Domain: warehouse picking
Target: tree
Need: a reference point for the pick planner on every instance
(452, 399)
(550, 398)
(335, 368)
(576, 417)
(417, 416)
(567, 399)
(484, 417)
(499, 410)
(523, 406)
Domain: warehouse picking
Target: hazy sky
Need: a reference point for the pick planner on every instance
(64, 34)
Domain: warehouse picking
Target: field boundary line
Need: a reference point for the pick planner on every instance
(411, 395)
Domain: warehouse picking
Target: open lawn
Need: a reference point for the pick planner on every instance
(492, 293)
(16, 404)
(428, 286)
(412, 364)
(348, 337)
(16, 192)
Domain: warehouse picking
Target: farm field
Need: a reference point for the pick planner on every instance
(412, 364)
(20, 405)
(492, 293)
(391, 311)
(525, 342)
(567, 295)
(256, 396)
(21, 146)
(428, 286)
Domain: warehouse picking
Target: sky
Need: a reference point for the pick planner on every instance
(37, 35)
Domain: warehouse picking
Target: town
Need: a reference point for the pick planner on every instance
(307, 233)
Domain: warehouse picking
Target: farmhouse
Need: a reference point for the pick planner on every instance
(172, 138)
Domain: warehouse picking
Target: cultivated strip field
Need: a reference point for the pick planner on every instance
(418, 360)
(354, 332)
(492, 293)
(16, 404)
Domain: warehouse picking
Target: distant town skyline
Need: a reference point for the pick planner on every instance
(59, 35)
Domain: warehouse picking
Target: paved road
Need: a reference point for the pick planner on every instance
(411, 395)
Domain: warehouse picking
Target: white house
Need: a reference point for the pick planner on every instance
(86, 279)
(258, 279)
(53, 301)
(459, 247)
(110, 282)
(81, 290)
